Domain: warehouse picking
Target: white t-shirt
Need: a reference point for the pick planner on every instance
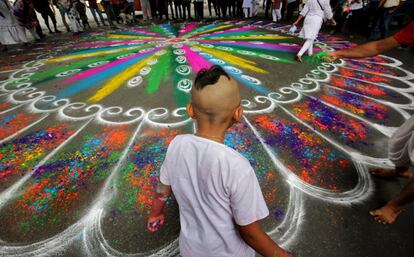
(356, 5)
(215, 188)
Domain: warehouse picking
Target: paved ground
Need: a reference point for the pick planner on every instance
(85, 122)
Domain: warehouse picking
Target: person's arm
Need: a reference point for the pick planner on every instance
(160, 196)
(369, 49)
(298, 19)
(302, 14)
(256, 238)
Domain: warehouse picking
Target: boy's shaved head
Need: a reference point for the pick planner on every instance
(215, 95)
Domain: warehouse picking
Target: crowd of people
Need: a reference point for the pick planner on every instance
(18, 16)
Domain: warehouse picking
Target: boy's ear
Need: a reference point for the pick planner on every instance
(238, 114)
(190, 110)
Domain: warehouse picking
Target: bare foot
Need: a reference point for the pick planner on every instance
(298, 58)
(387, 214)
(391, 173)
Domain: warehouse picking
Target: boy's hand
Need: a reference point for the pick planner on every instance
(154, 223)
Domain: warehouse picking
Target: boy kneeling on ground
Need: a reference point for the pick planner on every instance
(219, 197)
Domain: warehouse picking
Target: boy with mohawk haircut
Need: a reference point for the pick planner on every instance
(219, 197)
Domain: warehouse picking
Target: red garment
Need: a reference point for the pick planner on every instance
(276, 4)
(92, 3)
(406, 35)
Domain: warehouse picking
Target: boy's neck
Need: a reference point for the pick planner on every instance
(215, 133)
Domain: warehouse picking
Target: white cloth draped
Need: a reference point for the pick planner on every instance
(10, 30)
(401, 144)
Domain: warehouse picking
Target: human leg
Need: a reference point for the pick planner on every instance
(108, 11)
(63, 15)
(390, 212)
(310, 49)
(200, 10)
(45, 17)
(279, 13)
(209, 3)
(308, 43)
(247, 12)
(223, 8)
(170, 3)
(52, 17)
(266, 7)
(34, 33)
(96, 8)
(93, 11)
(386, 23)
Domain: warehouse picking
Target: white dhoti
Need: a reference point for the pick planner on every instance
(311, 27)
(10, 30)
(75, 25)
(248, 8)
(401, 144)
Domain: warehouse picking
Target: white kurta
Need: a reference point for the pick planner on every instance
(401, 144)
(314, 16)
(247, 4)
(10, 30)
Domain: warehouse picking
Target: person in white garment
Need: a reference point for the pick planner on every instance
(74, 17)
(401, 144)
(216, 188)
(11, 32)
(146, 10)
(248, 8)
(314, 12)
(277, 10)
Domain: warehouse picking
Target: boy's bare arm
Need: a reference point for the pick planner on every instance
(256, 238)
(160, 196)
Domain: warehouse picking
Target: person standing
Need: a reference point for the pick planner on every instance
(146, 10)
(116, 8)
(26, 16)
(355, 12)
(223, 8)
(314, 13)
(187, 8)
(11, 32)
(220, 200)
(383, 17)
(170, 4)
(178, 5)
(267, 4)
(199, 9)
(401, 143)
(93, 7)
(81, 8)
(248, 8)
(74, 18)
(291, 6)
(106, 4)
(215, 7)
(162, 9)
(60, 4)
(277, 10)
(153, 5)
(42, 7)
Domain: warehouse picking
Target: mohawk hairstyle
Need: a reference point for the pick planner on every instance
(209, 76)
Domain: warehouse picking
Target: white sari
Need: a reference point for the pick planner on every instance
(10, 30)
